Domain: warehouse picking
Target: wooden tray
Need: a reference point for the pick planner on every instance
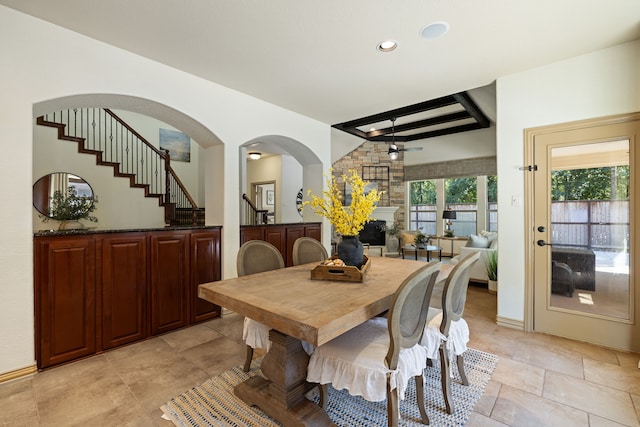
(347, 273)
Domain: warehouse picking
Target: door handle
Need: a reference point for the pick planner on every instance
(543, 243)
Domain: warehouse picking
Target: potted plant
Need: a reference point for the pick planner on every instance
(392, 240)
(421, 239)
(69, 208)
(491, 264)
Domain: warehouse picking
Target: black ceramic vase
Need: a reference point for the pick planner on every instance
(351, 251)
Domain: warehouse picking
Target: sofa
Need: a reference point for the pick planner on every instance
(485, 243)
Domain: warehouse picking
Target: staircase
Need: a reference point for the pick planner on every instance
(99, 131)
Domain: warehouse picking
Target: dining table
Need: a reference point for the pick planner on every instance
(298, 308)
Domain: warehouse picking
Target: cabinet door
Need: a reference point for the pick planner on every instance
(277, 236)
(314, 231)
(122, 272)
(169, 272)
(293, 233)
(251, 233)
(205, 267)
(65, 299)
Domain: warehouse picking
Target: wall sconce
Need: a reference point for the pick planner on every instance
(255, 156)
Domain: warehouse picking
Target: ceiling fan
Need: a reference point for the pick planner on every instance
(394, 151)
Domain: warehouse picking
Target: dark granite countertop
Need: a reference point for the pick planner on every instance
(94, 230)
(280, 223)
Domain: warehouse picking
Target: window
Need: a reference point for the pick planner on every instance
(422, 206)
(492, 202)
(461, 196)
(458, 194)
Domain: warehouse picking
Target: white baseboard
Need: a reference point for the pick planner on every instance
(510, 323)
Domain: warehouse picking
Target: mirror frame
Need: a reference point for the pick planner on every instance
(43, 194)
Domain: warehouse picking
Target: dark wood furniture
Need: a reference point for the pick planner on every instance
(282, 236)
(299, 308)
(582, 263)
(99, 290)
(427, 249)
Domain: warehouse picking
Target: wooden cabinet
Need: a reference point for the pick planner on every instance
(281, 236)
(122, 276)
(98, 291)
(205, 268)
(293, 233)
(169, 281)
(314, 231)
(65, 299)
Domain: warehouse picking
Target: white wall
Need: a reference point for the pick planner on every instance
(190, 173)
(32, 75)
(291, 184)
(119, 205)
(601, 83)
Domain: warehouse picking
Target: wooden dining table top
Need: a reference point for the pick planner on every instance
(315, 311)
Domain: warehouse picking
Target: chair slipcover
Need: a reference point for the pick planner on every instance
(456, 342)
(365, 375)
(376, 359)
(447, 333)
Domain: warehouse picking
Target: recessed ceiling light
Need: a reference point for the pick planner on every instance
(435, 30)
(387, 45)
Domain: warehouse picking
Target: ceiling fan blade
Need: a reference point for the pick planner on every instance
(411, 149)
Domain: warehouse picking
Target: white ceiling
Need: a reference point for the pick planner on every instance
(319, 58)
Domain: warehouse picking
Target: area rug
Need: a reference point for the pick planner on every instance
(214, 404)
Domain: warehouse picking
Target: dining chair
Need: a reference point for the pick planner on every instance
(256, 256)
(447, 333)
(307, 249)
(376, 359)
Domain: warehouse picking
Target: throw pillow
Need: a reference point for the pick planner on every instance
(408, 238)
(475, 241)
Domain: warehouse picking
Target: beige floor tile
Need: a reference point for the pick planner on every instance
(189, 337)
(519, 408)
(596, 421)
(22, 422)
(479, 420)
(628, 360)
(217, 356)
(17, 402)
(81, 400)
(488, 399)
(519, 375)
(153, 348)
(228, 325)
(594, 398)
(614, 376)
(570, 347)
(159, 382)
(156, 417)
(128, 415)
(535, 354)
(636, 403)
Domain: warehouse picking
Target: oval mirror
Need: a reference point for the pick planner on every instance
(65, 184)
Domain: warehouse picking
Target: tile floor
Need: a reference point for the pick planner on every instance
(540, 380)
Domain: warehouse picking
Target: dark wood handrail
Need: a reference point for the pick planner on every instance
(262, 213)
(133, 131)
(164, 155)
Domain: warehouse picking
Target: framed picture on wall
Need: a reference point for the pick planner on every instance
(269, 198)
(178, 144)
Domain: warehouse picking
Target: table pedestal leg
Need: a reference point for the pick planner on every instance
(282, 395)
